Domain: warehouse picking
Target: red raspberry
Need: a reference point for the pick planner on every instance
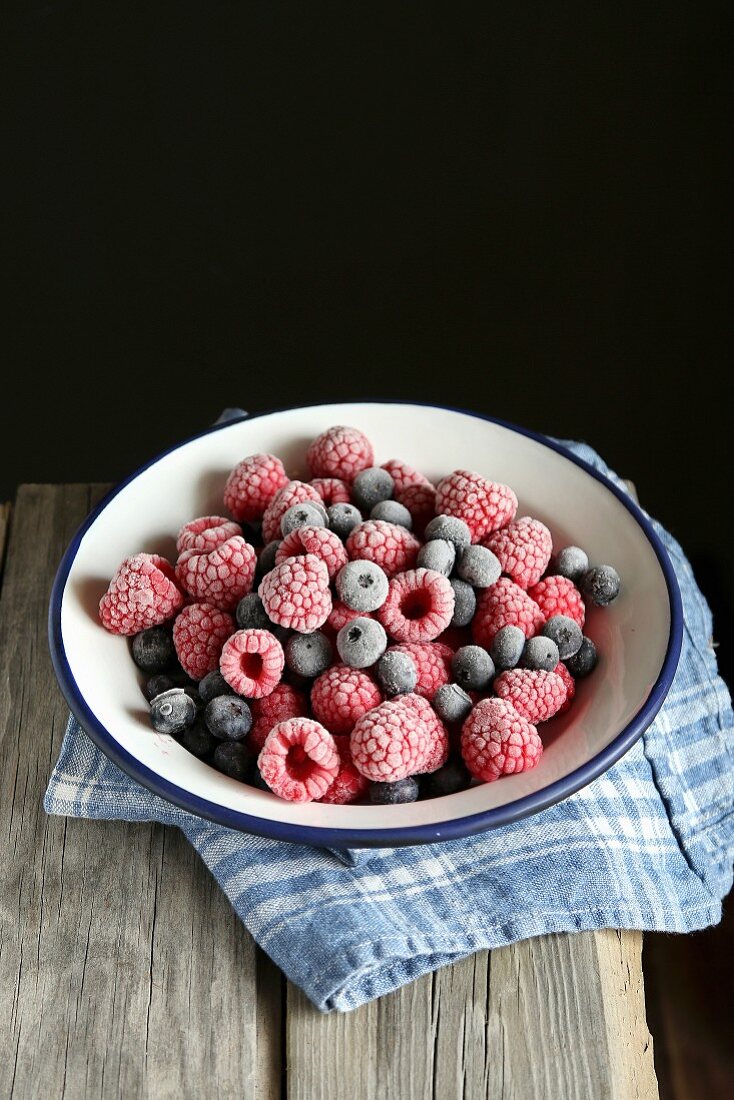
(559, 596)
(419, 606)
(349, 785)
(391, 547)
(341, 695)
(332, 490)
(420, 500)
(252, 485)
(433, 663)
(534, 693)
(283, 702)
(299, 760)
(341, 615)
(404, 476)
(220, 577)
(524, 549)
(562, 671)
(199, 633)
(390, 742)
(206, 533)
(296, 593)
(504, 604)
(485, 506)
(437, 751)
(497, 741)
(340, 452)
(320, 541)
(142, 593)
(295, 492)
(252, 662)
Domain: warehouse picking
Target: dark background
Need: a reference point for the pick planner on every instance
(521, 211)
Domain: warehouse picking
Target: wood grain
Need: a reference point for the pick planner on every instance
(123, 969)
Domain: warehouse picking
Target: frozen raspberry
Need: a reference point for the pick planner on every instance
(497, 741)
(252, 662)
(419, 606)
(252, 485)
(562, 671)
(437, 749)
(199, 633)
(283, 702)
(433, 664)
(319, 541)
(340, 452)
(296, 594)
(341, 695)
(295, 492)
(220, 577)
(504, 604)
(485, 506)
(559, 596)
(349, 785)
(391, 741)
(420, 500)
(535, 694)
(142, 593)
(391, 547)
(332, 490)
(524, 549)
(206, 533)
(404, 475)
(299, 760)
(341, 615)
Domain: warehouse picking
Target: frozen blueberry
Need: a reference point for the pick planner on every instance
(153, 649)
(472, 668)
(478, 566)
(507, 647)
(451, 528)
(566, 633)
(540, 652)
(198, 740)
(232, 758)
(343, 518)
(228, 717)
(172, 711)
(438, 554)
(372, 486)
(266, 560)
(396, 673)
(156, 685)
(451, 703)
(361, 642)
(601, 584)
(449, 779)
(252, 532)
(392, 512)
(250, 613)
(465, 602)
(391, 794)
(308, 654)
(571, 562)
(583, 661)
(362, 585)
(307, 514)
(213, 685)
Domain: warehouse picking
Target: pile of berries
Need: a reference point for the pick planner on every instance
(364, 634)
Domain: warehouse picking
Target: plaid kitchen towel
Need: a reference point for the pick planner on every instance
(648, 845)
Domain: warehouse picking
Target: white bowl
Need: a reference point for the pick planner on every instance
(638, 637)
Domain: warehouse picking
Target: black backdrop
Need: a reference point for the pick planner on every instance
(521, 211)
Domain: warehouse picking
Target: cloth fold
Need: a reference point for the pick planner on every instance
(648, 845)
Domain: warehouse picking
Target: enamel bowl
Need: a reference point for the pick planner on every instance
(638, 637)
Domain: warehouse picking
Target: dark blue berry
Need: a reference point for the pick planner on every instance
(172, 711)
(252, 532)
(439, 555)
(472, 668)
(258, 781)
(465, 602)
(343, 518)
(307, 514)
(451, 703)
(362, 585)
(250, 613)
(507, 647)
(451, 528)
(391, 794)
(228, 717)
(540, 653)
(391, 512)
(213, 685)
(571, 562)
(266, 560)
(372, 486)
(478, 566)
(601, 584)
(156, 685)
(396, 673)
(308, 655)
(198, 740)
(584, 661)
(566, 633)
(449, 779)
(153, 649)
(232, 758)
(361, 642)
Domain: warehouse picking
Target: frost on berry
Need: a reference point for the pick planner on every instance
(332, 490)
(504, 604)
(405, 476)
(391, 547)
(294, 492)
(299, 760)
(206, 533)
(433, 664)
(341, 695)
(535, 694)
(142, 593)
(252, 662)
(199, 634)
(349, 785)
(485, 506)
(419, 606)
(296, 594)
(523, 549)
(252, 485)
(221, 576)
(559, 596)
(320, 541)
(391, 741)
(340, 452)
(284, 701)
(497, 741)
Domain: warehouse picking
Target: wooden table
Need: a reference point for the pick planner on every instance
(125, 973)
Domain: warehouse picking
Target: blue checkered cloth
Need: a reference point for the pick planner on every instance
(648, 845)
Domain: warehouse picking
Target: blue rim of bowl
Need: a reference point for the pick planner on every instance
(452, 829)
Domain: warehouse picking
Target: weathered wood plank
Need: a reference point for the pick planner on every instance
(123, 969)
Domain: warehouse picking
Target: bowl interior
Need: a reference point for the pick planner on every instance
(632, 635)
